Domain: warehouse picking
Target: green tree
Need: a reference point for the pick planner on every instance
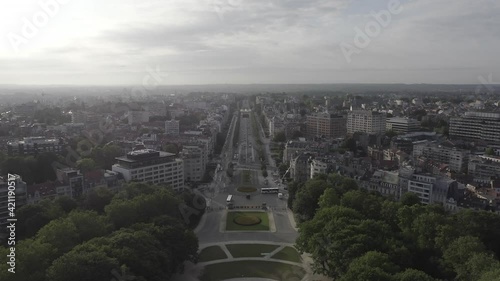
(171, 148)
(489, 151)
(97, 198)
(280, 137)
(66, 203)
(33, 258)
(86, 165)
(459, 252)
(82, 266)
(410, 199)
(61, 233)
(307, 199)
(411, 274)
(372, 266)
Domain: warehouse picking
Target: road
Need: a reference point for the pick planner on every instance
(245, 158)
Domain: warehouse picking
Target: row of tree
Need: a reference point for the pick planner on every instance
(353, 234)
(33, 169)
(143, 231)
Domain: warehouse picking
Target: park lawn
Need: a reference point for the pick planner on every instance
(250, 250)
(212, 253)
(258, 269)
(263, 225)
(288, 254)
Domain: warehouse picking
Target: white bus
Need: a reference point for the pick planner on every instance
(269, 190)
(229, 199)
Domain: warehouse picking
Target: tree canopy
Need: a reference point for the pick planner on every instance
(354, 234)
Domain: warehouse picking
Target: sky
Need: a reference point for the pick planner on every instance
(173, 42)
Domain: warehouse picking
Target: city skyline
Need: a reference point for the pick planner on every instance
(241, 42)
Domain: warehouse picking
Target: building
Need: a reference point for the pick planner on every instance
(402, 125)
(387, 183)
(366, 121)
(172, 127)
(318, 167)
(300, 168)
(152, 166)
(195, 160)
(476, 126)
(456, 158)
(326, 125)
(428, 188)
(19, 199)
(484, 168)
(34, 145)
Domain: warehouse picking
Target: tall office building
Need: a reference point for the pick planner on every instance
(172, 127)
(476, 126)
(327, 125)
(366, 121)
(153, 166)
(195, 160)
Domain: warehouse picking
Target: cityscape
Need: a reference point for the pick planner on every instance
(224, 141)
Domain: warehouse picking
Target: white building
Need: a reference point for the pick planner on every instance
(151, 166)
(318, 167)
(366, 121)
(402, 125)
(422, 186)
(172, 127)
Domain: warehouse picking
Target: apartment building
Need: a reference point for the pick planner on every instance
(366, 121)
(476, 126)
(20, 197)
(195, 160)
(402, 125)
(327, 125)
(300, 167)
(484, 168)
(318, 167)
(152, 166)
(456, 159)
(34, 145)
(428, 188)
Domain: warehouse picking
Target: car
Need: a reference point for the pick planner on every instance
(280, 195)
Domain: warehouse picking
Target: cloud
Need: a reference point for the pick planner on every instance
(235, 41)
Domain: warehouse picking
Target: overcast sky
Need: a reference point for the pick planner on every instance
(109, 42)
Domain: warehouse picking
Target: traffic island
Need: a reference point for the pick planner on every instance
(247, 221)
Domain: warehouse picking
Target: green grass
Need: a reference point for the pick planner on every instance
(264, 225)
(250, 250)
(212, 253)
(259, 269)
(288, 254)
(246, 177)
